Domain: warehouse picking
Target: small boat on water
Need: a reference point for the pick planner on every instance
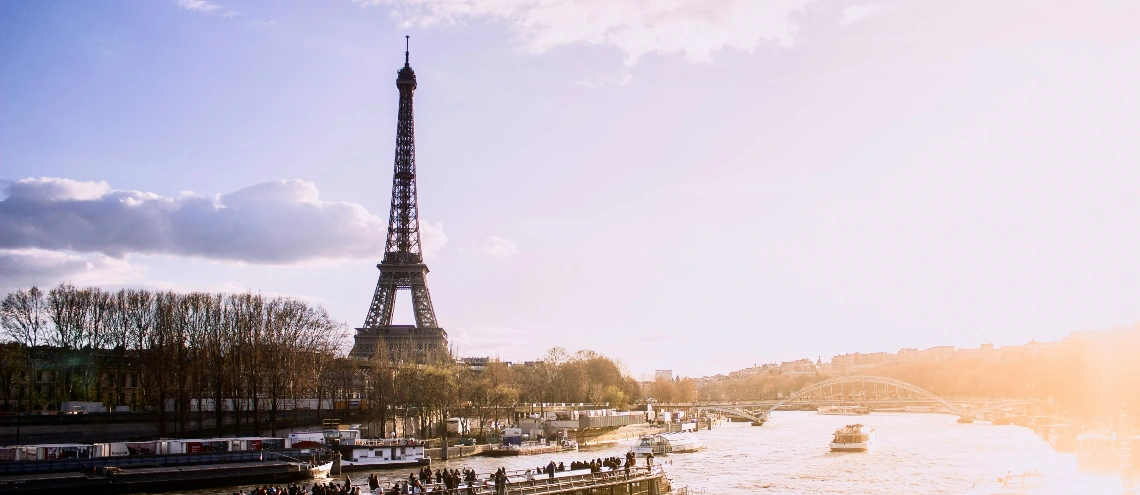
(1096, 451)
(667, 443)
(318, 470)
(852, 438)
(843, 410)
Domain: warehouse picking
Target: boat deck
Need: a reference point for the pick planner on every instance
(641, 480)
(155, 479)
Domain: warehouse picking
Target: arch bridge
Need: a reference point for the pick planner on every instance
(863, 389)
(881, 387)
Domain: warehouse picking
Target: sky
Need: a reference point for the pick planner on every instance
(695, 185)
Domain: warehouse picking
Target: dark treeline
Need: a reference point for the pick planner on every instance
(207, 360)
(237, 354)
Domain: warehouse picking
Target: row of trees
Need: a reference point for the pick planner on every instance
(397, 385)
(185, 355)
(207, 359)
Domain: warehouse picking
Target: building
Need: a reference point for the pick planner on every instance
(666, 375)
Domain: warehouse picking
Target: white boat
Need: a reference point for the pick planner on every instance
(1096, 451)
(667, 443)
(369, 453)
(852, 438)
(318, 470)
(843, 410)
(921, 409)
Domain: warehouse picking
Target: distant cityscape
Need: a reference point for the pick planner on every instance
(858, 362)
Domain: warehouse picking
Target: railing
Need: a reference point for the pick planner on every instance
(543, 485)
(382, 442)
(592, 480)
(56, 465)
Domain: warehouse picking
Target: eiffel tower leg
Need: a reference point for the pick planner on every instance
(421, 302)
(380, 313)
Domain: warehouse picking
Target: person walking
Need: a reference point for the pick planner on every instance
(550, 468)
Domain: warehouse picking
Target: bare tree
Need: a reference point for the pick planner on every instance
(23, 316)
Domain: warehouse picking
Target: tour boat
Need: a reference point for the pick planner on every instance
(318, 470)
(1096, 452)
(852, 438)
(667, 443)
(843, 410)
(370, 453)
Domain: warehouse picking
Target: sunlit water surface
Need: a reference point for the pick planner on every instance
(914, 453)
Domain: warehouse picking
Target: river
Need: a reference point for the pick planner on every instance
(915, 453)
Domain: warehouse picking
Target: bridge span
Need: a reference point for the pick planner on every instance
(863, 390)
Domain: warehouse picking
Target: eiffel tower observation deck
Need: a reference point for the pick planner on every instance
(403, 265)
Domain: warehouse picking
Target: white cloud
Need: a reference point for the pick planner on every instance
(432, 238)
(55, 189)
(491, 341)
(206, 7)
(498, 246)
(696, 28)
(279, 222)
(197, 5)
(856, 13)
(27, 267)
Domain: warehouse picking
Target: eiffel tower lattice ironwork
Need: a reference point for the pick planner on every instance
(403, 265)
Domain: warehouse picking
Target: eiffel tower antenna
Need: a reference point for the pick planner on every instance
(403, 265)
(407, 48)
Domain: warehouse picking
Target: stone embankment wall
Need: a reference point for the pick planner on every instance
(455, 451)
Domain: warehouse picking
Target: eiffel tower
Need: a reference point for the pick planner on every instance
(403, 265)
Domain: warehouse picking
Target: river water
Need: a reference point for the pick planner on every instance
(915, 453)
